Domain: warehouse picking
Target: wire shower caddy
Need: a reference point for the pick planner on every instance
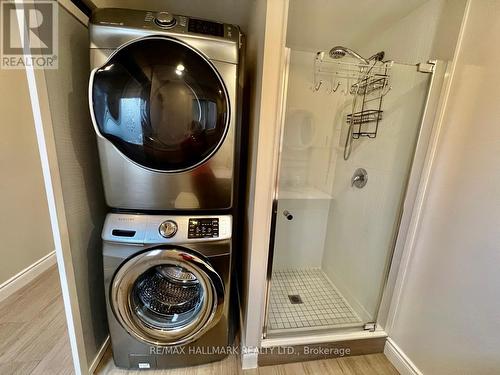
(368, 83)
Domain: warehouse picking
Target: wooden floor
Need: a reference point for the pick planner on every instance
(33, 333)
(372, 364)
(34, 340)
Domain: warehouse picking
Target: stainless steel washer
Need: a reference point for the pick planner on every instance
(163, 101)
(167, 281)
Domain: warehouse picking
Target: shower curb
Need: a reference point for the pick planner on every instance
(277, 355)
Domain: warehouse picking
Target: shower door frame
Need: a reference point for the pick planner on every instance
(274, 209)
(424, 150)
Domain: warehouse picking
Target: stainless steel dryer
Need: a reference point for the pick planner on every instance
(163, 101)
(167, 281)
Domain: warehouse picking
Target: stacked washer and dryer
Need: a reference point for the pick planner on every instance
(163, 100)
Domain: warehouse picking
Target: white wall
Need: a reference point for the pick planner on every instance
(307, 161)
(411, 38)
(24, 222)
(315, 25)
(447, 317)
(307, 167)
(265, 55)
(430, 27)
(299, 243)
(254, 64)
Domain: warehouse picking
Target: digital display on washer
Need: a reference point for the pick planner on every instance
(205, 27)
(203, 228)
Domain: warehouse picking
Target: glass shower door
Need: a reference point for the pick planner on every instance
(336, 218)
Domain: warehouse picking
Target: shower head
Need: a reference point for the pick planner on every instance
(338, 52)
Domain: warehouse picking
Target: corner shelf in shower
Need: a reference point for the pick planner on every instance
(306, 192)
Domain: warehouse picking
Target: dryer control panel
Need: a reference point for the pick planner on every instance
(144, 21)
(203, 228)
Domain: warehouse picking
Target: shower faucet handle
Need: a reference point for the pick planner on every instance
(360, 178)
(357, 178)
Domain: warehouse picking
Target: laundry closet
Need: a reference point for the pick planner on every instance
(322, 121)
(160, 175)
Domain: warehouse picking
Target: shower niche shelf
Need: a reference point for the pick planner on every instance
(304, 192)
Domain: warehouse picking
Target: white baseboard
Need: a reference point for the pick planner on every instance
(27, 275)
(399, 359)
(249, 358)
(99, 355)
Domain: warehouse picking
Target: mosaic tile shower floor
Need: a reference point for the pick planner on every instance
(305, 299)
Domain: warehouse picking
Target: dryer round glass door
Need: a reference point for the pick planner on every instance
(161, 103)
(167, 296)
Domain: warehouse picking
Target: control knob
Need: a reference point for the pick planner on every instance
(165, 20)
(168, 228)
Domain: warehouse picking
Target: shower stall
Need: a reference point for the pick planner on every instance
(349, 134)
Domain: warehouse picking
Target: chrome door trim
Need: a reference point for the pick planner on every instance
(210, 64)
(130, 270)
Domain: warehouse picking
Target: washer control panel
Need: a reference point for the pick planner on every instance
(203, 228)
(163, 229)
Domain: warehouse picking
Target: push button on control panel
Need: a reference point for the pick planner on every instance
(203, 228)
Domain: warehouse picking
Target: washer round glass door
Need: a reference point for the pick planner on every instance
(167, 296)
(161, 103)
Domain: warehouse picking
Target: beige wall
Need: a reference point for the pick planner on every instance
(24, 221)
(80, 182)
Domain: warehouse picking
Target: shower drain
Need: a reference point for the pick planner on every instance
(295, 299)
